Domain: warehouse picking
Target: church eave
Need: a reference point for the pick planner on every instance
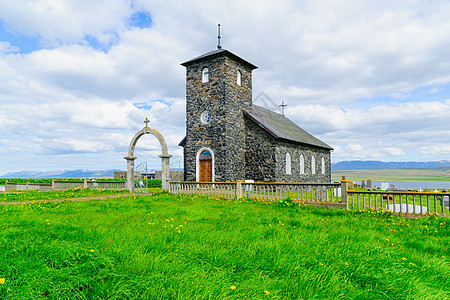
(183, 142)
(218, 52)
(274, 131)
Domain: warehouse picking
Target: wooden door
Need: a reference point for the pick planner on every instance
(206, 170)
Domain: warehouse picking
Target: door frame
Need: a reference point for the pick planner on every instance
(197, 164)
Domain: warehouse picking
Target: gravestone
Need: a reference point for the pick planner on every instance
(337, 192)
(350, 186)
(406, 208)
(446, 201)
(384, 186)
(249, 188)
(369, 184)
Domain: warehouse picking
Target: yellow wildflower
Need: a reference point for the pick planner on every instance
(92, 250)
(267, 292)
(2, 280)
(404, 259)
(233, 287)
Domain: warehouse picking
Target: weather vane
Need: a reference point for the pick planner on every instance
(282, 107)
(218, 37)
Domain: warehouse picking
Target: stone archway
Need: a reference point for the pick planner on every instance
(165, 156)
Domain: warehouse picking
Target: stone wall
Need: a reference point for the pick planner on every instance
(295, 150)
(260, 164)
(224, 135)
(266, 158)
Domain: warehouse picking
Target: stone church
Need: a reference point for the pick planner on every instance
(229, 139)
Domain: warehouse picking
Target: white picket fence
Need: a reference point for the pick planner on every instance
(305, 192)
(329, 193)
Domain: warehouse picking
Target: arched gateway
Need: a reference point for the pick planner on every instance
(165, 156)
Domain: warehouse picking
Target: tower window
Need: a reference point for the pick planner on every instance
(238, 78)
(205, 75)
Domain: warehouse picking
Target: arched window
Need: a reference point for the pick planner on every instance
(313, 165)
(302, 164)
(238, 78)
(288, 164)
(205, 155)
(205, 75)
(323, 165)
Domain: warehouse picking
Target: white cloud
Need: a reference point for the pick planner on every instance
(72, 100)
(65, 21)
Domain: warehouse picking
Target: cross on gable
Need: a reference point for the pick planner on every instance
(283, 106)
(146, 122)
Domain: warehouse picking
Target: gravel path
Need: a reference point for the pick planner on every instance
(75, 199)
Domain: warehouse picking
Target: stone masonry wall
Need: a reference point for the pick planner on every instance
(260, 160)
(295, 150)
(224, 135)
(266, 158)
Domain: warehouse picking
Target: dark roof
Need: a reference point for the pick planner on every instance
(281, 127)
(183, 142)
(218, 52)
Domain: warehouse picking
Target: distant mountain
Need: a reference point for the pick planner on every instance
(61, 174)
(372, 164)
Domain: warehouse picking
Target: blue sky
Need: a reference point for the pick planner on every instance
(78, 78)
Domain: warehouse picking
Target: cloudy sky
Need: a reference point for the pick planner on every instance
(78, 78)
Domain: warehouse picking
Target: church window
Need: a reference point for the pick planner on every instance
(205, 75)
(323, 165)
(288, 164)
(205, 117)
(313, 165)
(302, 164)
(205, 155)
(238, 78)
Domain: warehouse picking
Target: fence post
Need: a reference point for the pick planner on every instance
(344, 195)
(53, 184)
(6, 185)
(85, 184)
(239, 189)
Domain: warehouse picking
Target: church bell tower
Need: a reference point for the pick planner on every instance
(218, 90)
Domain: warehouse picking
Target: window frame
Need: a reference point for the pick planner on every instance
(205, 75)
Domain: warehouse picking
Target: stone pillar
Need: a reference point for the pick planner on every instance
(369, 184)
(344, 195)
(130, 173)
(239, 193)
(165, 171)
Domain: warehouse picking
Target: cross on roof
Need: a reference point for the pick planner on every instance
(282, 107)
(146, 122)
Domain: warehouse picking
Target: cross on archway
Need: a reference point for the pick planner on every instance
(165, 156)
(146, 122)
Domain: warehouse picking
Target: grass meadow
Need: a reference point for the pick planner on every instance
(32, 195)
(439, 174)
(187, 247)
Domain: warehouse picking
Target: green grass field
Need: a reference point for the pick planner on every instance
(26, 196)
(422, 174)
(186, 247)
